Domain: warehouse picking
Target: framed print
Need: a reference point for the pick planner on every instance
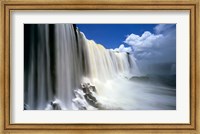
(99, 66)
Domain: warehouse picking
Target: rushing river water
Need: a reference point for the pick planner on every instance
(64, 70)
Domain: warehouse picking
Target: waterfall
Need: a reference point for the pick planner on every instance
(68, 62)
(134, 69)
(58, 58)
(106, 64)
(38, 79)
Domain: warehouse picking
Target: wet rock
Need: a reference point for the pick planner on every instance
(91, 100)
(79, 104)
(26, 107)
(86, 97)
(55, 106)
(89, 90)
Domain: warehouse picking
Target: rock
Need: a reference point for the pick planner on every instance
(26, 107)
(80, 104)
(91, 100)
(94, 89)
(55, 106)
(88, 89)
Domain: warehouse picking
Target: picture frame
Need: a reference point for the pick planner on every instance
(9, 6)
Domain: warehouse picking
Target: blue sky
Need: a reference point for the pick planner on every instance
(113, 35)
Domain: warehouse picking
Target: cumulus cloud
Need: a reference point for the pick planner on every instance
(157, 47)
(122, 48)
(147, 40)
(155, 51)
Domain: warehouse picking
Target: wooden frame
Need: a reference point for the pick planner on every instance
(10, 5)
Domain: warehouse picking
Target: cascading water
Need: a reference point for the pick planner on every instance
(65, 70)
(68, 64)
(38, 78)
(105, 64)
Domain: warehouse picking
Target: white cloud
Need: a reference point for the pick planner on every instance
(147, 40)
(122, 48)
(155, 47)
(155, 52)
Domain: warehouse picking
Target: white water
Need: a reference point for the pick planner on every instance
(38, 89)
(79, 60)
(105, 64)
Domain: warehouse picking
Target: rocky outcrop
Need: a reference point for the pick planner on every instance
(89, 91)
(86, 97)
(55, 106)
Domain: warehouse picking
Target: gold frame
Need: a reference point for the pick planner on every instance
(8, 6)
